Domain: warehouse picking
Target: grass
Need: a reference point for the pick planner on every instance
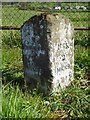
(13, 19)
(71, 102)
(81, 61)
(20, 105)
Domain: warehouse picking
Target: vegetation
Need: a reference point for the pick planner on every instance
(71, 102)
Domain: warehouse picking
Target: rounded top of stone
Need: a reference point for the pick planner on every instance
(49, 17)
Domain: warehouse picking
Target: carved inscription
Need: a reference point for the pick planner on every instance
(62, 57)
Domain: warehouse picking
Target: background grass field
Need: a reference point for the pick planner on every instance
(71, 102)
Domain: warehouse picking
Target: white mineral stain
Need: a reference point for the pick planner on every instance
(41, 26)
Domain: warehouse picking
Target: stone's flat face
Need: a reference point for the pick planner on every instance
(48, 51)
(61, 52)
(35, 51)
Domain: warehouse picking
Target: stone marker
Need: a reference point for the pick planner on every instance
(48, 51)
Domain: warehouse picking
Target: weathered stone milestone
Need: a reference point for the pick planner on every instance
(48, 51)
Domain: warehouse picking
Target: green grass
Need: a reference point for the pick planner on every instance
(12, 66)
(21, 105)
(71, 102)
(81, 62)
(13, 19)
(11, 38)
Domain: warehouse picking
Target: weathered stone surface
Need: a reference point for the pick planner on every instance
(48, 51)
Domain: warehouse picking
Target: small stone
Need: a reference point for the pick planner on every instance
(48, 51)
